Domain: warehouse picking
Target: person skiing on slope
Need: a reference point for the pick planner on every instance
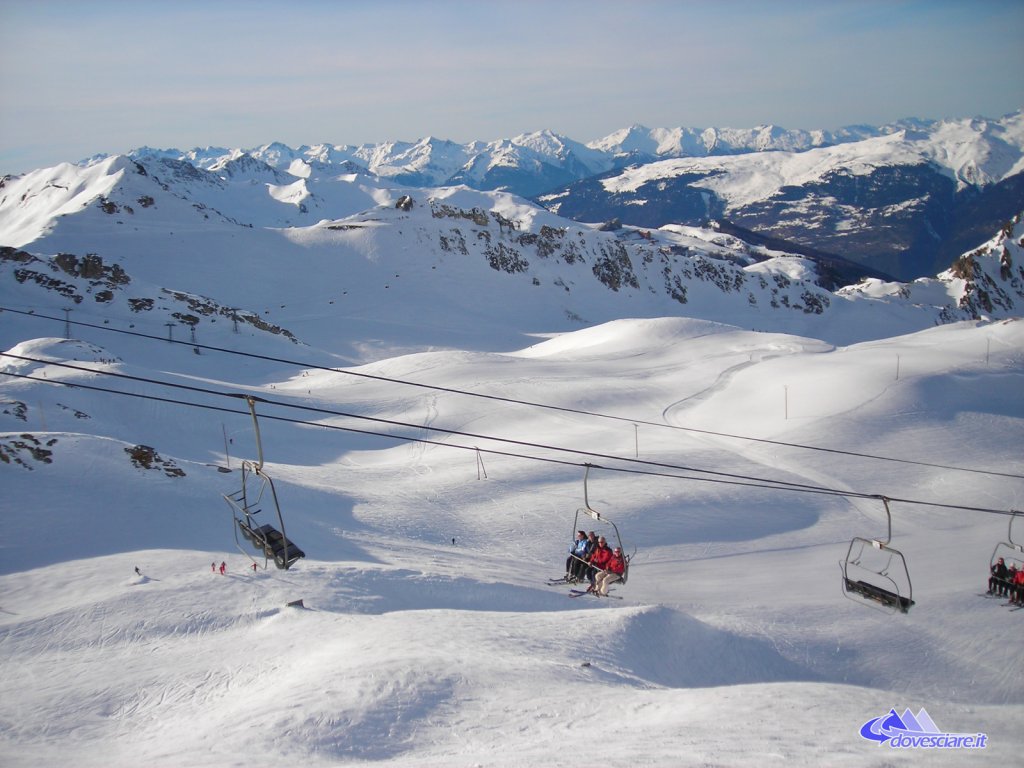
(223, 568)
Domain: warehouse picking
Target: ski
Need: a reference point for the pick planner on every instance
(581, 592)
(560, 582)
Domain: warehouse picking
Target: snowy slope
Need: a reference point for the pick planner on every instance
(413, 651)
(431, 518)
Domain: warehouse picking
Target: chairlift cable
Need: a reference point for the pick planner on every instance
(740, 482)
(515, 401)
(393, 422)
(453, 432)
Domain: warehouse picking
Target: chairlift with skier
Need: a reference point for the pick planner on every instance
(877, 572)
(608, 527)
(245, 503)
(1010, 551)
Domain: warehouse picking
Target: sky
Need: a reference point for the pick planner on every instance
(107, 76)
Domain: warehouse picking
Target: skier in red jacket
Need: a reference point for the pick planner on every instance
(598, 560)
(1017, 588)
(612, 572)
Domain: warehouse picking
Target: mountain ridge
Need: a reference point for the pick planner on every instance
(349, 246)
(416, 161)
(904, 199)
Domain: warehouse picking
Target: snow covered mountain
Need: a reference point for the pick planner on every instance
(436, 371)
(977, 151)
(905, 203)
(175, 228)
(904, 199)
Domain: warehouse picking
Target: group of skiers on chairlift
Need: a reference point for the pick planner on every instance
(1007, 582)
(592, 559)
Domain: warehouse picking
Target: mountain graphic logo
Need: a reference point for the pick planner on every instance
(910, 731)
(883, 728)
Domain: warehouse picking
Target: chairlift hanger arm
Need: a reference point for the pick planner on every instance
(1009, 531)
(888, 517)
(251, 401)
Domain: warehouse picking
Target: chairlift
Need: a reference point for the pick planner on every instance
(588, 511)
(245, 503)
(877, 572)
(1011, 551)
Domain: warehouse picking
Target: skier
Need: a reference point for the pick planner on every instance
(213, 567)
(1017, 595)
(137, 571)
(223, 568)
(997, 581)
(612, 572)
(576, 562)
(598, 561)
(254, 567)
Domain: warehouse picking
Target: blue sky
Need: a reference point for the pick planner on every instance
(80, 78)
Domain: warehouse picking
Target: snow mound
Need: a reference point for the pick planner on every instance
(58, 350)
(664, 647)
(624, 337)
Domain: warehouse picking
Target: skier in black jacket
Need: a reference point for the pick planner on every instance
(997, 583)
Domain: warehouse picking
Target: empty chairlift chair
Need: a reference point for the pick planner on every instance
(247, 502)
(877, 572)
